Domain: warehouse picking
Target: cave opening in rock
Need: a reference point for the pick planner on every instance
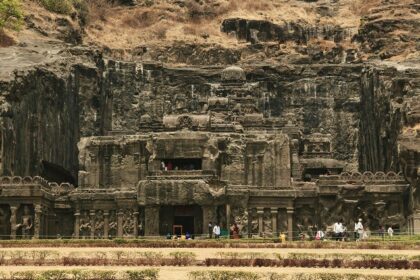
(56, 173)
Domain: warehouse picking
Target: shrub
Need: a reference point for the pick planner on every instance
(97, 10)
(147, 274)
(223, 275)
(183, 258)
(140, 19)
(11, 15)
(58, 6)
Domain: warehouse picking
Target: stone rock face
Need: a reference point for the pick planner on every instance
(391, 30)
(261, 30)
(49, 104)
(282, 143)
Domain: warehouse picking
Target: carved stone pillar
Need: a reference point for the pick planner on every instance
(13, 213)
(260, 213)
(290, 212)
(260, 180)
(46, 216)
(92, 224)
(77, 224)
(274, 214)
(120, 223)
(37, 221)
(106, 224)
(206, 218)
(151, 220)
(248, 173)
(254, 170)
(228, 218)
(209, 215)
(136, 223)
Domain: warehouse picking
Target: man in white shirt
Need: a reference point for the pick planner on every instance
(358, 228)
(390, 232)
(216, 231)
(338, 230)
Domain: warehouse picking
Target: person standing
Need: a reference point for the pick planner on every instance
(216, 231)
(338, 230)
(358, 228)
(390, 231)
(210, 229)
(382, 232)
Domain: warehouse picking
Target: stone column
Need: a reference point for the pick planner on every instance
(120, 223)
(151, 220)
(254, 171)
(92, 224)
(260, 177)
(260, 212)
(290, 212)
(136, 223)
(46, 216)
(248, 173)
(37, 220)
(106, 224)
(274, 213)
(249, 223)
(77, 224)
(416, 223)
(206, 218)
(13, 213)
(228, 218)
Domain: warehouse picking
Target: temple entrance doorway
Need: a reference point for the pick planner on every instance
(186, 223)
(188, 218)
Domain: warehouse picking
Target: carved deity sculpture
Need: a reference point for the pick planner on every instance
(99, 224)
(112, 224)
(128, 223)
(27, 222)
(85, 225)
(240, 218)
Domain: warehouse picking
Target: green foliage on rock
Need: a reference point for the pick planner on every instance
(11, 14)
(58, 6)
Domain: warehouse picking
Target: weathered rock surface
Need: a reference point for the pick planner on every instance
(134, 145)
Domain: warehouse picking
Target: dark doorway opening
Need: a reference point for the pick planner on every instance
(56, 173)
(183, 164)
(190, 217)
(187, 223)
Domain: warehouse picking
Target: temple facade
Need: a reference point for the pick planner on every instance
(221, 157)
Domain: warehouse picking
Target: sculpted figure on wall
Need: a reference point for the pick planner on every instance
(85, 225)
(268, 228)
(26, 223)
(240, 217)
(99, 224)
(112, 226)
(128, 222)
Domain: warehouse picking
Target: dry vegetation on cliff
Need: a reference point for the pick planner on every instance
(168, 24)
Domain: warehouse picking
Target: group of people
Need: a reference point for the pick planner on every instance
(169, 165)
(340, 231)
(214, 230)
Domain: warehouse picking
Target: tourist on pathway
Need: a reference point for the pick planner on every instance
(390, 231)
(216, 231)
(382, 232)
(338, 230)
(358, 228)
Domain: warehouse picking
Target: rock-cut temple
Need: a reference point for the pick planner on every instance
(217, 152)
